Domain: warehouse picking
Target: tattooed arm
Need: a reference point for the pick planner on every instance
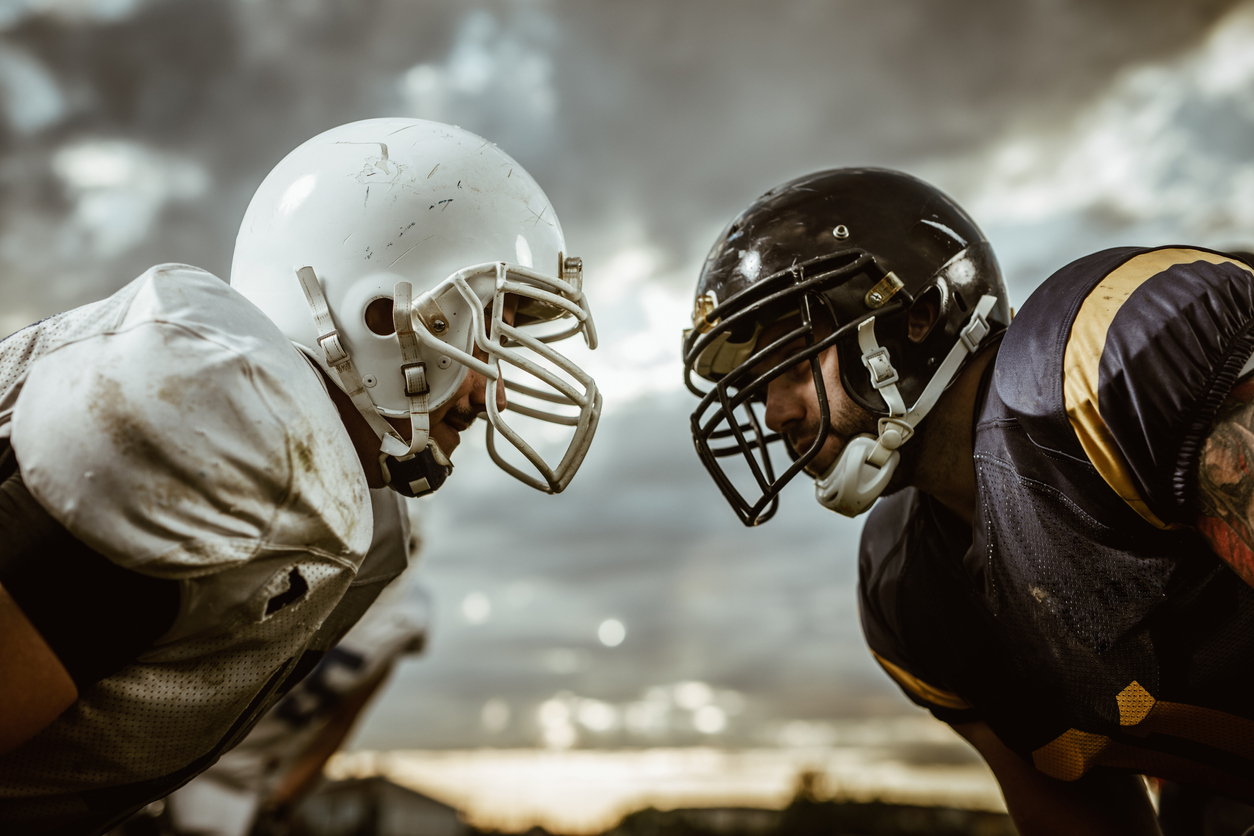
(1225, 476)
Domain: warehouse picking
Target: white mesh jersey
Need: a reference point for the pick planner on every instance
(175, 430)
(224, 799)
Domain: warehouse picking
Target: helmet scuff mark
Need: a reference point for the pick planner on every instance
(945, 229)
(411, 249)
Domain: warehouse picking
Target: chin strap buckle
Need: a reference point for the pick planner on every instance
(974, 332)
(420, 474)
(332, 349)
(880, 365)
(415, 379)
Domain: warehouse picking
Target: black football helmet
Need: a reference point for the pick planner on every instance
(858, 247)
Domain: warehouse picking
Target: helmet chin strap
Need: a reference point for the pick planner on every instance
(863, 469)
(421, 468)
(416, 468)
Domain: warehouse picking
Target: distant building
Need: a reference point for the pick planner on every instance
(808, 816)
(701, 821)
(374, 807)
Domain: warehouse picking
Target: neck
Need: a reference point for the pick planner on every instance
(365, 442)
(946, 464)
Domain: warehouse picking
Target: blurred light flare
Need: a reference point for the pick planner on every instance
(476, 608)
(693, 695)
(597, 716)
(611, 632)
(709, 719)
(494, 717)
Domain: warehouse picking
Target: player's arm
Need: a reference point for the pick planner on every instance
(34, 686)
(302, 775)
(1099, 804)
(69, 616)
(1225, 482)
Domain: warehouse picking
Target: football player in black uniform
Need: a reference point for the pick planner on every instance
(1060, 566)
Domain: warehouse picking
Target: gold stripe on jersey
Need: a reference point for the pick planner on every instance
(922, 690)
(1083, 357)
(1071, 754)
(1074, 752)
(1141, 714)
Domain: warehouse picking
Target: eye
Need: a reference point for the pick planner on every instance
(797, 370)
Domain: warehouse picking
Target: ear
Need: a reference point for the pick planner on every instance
(922, 314)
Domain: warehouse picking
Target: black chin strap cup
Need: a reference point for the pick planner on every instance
(416, 475)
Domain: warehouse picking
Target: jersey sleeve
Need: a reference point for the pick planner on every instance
(189, 437)
(1123, 359)
(894, 540)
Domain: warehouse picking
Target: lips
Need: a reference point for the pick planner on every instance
(459, 418)
(802, 444)
(460, 426)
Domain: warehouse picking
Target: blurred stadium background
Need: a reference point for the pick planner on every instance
(629, 644)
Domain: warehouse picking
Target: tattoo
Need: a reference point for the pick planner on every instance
(1225, 476)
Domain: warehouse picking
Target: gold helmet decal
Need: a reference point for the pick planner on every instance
(705, 305)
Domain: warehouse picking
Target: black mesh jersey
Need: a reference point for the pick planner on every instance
(1080, 616)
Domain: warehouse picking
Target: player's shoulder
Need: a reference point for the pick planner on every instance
(1113, 287)
(1121, 358)
(189, 424)
(182, 297)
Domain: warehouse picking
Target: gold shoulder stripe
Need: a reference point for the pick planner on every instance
(916, 686)
(1083, 358)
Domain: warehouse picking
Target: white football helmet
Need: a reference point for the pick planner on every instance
(425, 225)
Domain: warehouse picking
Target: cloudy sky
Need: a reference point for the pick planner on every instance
(633, 610)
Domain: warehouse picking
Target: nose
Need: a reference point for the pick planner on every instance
(479, 393)
(784, 404)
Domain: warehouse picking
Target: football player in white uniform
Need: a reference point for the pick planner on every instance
(186, 466)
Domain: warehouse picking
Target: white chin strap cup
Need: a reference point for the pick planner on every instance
(853, 481)
(864, 468)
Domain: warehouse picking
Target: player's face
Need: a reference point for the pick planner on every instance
(455, 417)
(792, 403)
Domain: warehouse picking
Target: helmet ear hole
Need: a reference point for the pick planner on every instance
(378, 316)
(923, 314)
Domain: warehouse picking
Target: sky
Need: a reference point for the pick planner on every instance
(633, 610)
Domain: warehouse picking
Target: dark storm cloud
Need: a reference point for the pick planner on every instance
(671, 114)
